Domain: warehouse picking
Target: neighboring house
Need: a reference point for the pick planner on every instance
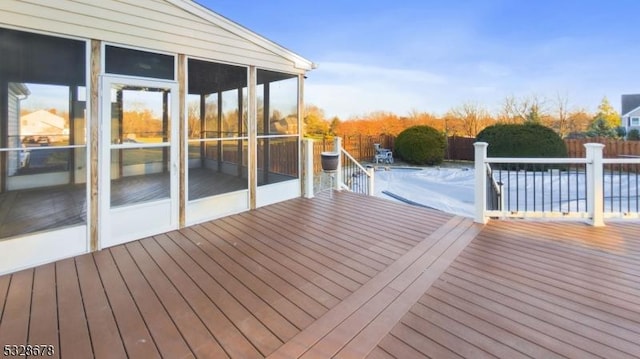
(631, 112)
(159, 59)
(43, 123)
(15, 159)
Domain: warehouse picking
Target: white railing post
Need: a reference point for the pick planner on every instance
(337, 148)
(371, 171)
(595, 187)
(308, 168)
(481, 181)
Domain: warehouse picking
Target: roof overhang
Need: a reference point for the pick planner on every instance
(235, 28)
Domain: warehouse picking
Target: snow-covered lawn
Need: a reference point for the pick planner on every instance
(449, 189)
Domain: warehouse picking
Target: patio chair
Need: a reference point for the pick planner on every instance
(383, 155)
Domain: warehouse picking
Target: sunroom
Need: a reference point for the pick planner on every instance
(121, 120)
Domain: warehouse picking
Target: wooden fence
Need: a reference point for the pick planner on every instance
(361, 147)
(612, 148)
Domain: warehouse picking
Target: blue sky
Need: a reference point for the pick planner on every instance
(430, 56)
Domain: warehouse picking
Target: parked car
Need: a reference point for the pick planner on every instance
(44, 141)
(29, 140)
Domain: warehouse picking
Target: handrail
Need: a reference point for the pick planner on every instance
(354, 161)
(592, 187)
(351, 175)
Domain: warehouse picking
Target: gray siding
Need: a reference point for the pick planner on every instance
(152, 24)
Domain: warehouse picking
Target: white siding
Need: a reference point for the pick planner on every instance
(151, 24)
(14, 123)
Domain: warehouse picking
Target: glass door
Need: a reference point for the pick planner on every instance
(139, 159)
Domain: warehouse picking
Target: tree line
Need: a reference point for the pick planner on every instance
(468, 119)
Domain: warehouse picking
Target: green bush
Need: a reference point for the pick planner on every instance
(633, 135)
(421, 145)
(522, 140)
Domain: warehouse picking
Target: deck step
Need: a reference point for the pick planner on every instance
(354, 327)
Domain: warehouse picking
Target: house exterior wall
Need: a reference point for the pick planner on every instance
(179, 28)
(150, 24)
(626, 119)
(13, 126)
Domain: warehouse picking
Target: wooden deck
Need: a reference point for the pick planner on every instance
(347, 276)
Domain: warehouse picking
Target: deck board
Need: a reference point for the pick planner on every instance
(43, 323)
(74, 329)
(542, 289)
(14, 325)
(345, 276)
(100, 317)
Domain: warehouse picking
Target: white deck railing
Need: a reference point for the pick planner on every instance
(350, 174)
(588, 188)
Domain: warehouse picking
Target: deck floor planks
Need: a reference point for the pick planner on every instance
(253, 329)
(530, 288)
(189, 326)
(341, 218)
(43, 323)
(135, 334)
(555, 308)
(14, 327)
(307, 237)
(75, 341)
(564, 260)
(4, 289)
(412, 344)
(572, 272)
(286, 308)
(105, 333)
(513, 276)
(550, 282)
(303, 301)
(286, 273)
(346, 243)
(343, 214)
(290, 249)
(232, 340)
(258, 307)
(568, 245)
(339, 221)
(330, 333)
(594, 306)
(333, 245)
(305, 268)
(402, 220)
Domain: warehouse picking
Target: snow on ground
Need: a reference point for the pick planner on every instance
(449, 189)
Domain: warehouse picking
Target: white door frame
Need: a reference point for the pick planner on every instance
(135, 221)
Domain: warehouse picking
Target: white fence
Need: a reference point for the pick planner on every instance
(592, 188)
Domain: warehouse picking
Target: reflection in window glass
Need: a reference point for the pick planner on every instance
(217, 129)
(43, 130)
(139, 175)
(277, 103)
(139, 115)
(277, 159)
(220, 168)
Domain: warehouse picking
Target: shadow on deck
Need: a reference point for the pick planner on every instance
(349, 276)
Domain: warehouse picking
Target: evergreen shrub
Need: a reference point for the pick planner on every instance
(421, 145)
(523, 140)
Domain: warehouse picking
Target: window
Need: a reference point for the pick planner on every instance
(130, 62)
(278, 128)
(42, 132)
(634, 121)
(217, 129)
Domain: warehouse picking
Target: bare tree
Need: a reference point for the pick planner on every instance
(473, 118)
(561, 123)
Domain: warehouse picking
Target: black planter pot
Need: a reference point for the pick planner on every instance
(330, 160)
